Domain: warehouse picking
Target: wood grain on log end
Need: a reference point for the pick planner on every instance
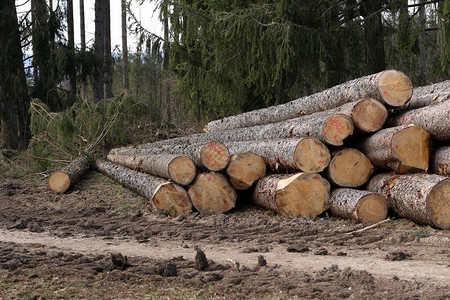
(371, 208)
(172, 199)
(211, 192)
(182, 170)
(311, 155)
(215, 156)
(369, 115)
(244, 169)
(349, 168)
(438, 204)
(336, 128)
(395, 88)
(59, 182)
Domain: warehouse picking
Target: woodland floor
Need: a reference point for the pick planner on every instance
(67, 247)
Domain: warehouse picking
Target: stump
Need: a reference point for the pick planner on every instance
(244, 169)
(349, 168)
(61, 181)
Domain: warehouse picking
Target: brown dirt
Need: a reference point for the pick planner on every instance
(101, 241)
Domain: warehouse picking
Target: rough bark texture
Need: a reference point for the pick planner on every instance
(61, 181)
(302, 194)
(440, 161)
(402, 149)
(422, 198)
(425, 100)
(431, 89)
(349, 168)
(212, 193)
(244, 169)
(434, 119)
(163, 195)
(362, 206)
(180, 169)
(390, 87)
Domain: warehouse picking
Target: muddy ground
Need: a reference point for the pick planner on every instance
(101, 241)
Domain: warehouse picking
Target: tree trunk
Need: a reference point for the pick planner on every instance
(84, 87)
(349, 168)
(391, 87)
(99, 48)
(244, 169)
(302, 194)
(440, 161)
(71, 46)
(402, 149)
(212, 193)
(163, 195)
(61, 181)
(107, 58)
(422, 198)
(362, 206)
(125, 78)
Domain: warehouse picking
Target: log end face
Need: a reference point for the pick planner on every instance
(350, 168)
(438, 204)
(59, 182)
(172, 199)
(215, 156)
(369, 115)
(182, 170)
(336, 128)
(395, 88)
(244, 169)
(311, 155)
(371, 209)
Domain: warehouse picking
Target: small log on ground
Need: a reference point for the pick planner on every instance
(402, 149)
(180, 169)
(244, 169)
(163, 195)
(301, 194)
(212, 193)
(299, 154)
(362, 206)
(390, 87)
(422, 198)
(62, 180)
(214, 156)
(440, 161)
(349, 168)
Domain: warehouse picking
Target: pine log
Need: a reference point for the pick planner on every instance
(301, 194)
(440, 161)
(422, 198)
(431, 88)
(434, 119)
(62, 180)
(214, 156)
(244, 169)
(424, 100)
(212, 193)
(349, 168)
(362, 206)
(180, 169)
(402, 149)
(390, 87)
(163, 195)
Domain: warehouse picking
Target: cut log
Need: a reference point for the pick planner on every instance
(214, 156)
(422, 198)
(61, 181)
(434, 119)
(362, 206)
(180, 169)
(431, 88)
(212, 193)
(390, 87)
(301, 194)
(244, 169)
(298, 154)
(349, 168)
(440, 161)
(424, 100)
(163, 195)
(402, 149)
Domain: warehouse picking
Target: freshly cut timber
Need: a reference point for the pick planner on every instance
(301, 194)
(425, 100)
(390, 87)
(212, 193)
(180, 169)
(422, 198)
(63, 180)
(440, 161)
(214, 156)
(349, 168)
(163, 195)
(362, 206)
(431, 88)
(244, 169)
(434, 119)
(402, 149)
(298, 153)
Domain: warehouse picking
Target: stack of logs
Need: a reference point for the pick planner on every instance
(359, 149)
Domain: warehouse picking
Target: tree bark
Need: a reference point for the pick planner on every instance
(362, 206)
(107, 62)
(164, 196)
(440, 161)
(424, 100)
(390, 87)
(61, 181)
(349, 168)
(99, 48)
(402, 149)
(212, 193)
(84, 87)
(302, 194)
(180, 169)
(439, 87)
(125, 78)
(244, 169)
(71, 46)
(422, 198)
